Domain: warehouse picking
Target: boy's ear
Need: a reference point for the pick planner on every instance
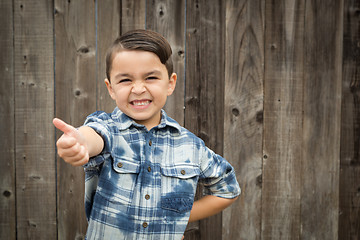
(109, 88)
(172, 83)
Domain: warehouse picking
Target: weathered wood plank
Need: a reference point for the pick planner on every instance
(168, 18)
(108, 29)
(7, 124)
(322, 118)
(283, 99)
(34, 108)
(244, 77)
(204, 87)
(133, 15)
(75, 98)
(349, 218)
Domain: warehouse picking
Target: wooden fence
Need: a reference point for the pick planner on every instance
(273, 85)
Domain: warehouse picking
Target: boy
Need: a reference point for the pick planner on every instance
(141, 166)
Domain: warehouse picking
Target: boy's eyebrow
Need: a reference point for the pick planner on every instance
(127, 75)
(154, 72)
(120, 75)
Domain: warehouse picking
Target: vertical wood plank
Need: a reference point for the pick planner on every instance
(204, 87)
(133, 15)
(244, 76)
(168, 18)
(75, 99)
(349, 219)
(283, 98)
(34, 108)
(108, 29)
(7, 124)
(322, 118)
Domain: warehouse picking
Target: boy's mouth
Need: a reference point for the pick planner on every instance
(140, 102)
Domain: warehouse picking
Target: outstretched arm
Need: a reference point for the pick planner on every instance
(76, 146)
(209, 205)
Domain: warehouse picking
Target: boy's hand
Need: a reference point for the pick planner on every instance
(71, 145)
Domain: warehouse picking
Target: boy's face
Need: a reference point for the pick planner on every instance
(140, 85)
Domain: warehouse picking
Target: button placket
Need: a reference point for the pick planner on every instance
(149, 169)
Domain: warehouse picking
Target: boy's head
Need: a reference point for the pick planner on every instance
(144, 40)
(140, 75)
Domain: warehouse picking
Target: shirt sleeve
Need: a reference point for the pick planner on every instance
(99, 122)
(218, 176)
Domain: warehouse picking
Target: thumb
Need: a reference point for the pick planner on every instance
(63, 126)
(67, 129)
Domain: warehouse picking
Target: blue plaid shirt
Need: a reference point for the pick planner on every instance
(142, 185)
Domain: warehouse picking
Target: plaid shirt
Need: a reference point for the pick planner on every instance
(142, 185)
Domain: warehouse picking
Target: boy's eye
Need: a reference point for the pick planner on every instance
(124, 80)
(152, 78)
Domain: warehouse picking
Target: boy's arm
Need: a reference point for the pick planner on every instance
(209, 205)
(94, 141)
(76, 146)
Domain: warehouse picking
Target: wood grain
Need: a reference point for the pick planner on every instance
(322, 119)
(349, 217)
(7, 124)
(75, 99)
(108, 29)
(34, 108)
(204, 84)
(244, 80)
(283, 98)
(133, 15)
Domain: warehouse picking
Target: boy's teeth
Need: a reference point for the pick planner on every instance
(140, 103)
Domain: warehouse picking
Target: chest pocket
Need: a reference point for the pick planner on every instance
(178, 187)
(118, 180)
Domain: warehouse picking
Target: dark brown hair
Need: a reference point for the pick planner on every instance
(143, 40)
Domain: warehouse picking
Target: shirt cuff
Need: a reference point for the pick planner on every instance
(226, 187)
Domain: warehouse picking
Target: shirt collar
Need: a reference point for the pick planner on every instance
(124, 121)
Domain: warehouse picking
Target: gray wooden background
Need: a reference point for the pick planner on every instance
(273, 85)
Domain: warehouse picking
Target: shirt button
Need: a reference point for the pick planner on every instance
(150, 143)
(149, 169)
(119, 165)
(145, 225)
(183, 172)
(147, 196)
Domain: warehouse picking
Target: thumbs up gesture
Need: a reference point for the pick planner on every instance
(71, 145)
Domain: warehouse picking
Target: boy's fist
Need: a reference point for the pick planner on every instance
(71, 145)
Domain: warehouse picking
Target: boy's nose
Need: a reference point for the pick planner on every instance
(138, 87)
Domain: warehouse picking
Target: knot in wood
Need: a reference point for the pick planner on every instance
(259, 180)
(260, 116)
(83, 49)
(235, 112)
(161, 12)
(7, 193)
(181, 53)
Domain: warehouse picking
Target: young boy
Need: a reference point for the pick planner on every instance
(141, 166)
